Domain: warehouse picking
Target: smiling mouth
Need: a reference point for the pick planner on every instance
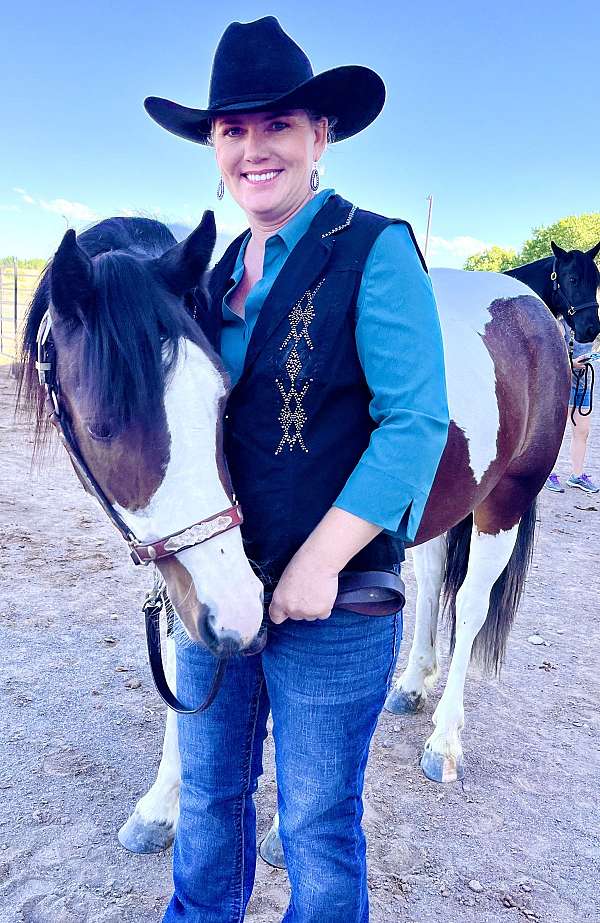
(259, 179)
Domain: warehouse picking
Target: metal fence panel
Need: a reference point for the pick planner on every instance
(16, 290)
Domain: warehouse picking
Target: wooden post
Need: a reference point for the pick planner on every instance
(430, 209)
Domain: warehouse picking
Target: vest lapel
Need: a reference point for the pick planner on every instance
(304, 266)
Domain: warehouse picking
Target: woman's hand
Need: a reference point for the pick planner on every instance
(309, 584)
(306, 590)
(579, 364)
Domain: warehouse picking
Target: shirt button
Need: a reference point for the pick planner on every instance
(226, 416)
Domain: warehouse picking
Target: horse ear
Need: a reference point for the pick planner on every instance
(184, 264)
(557, 251)
(71, 278)
(594, 251)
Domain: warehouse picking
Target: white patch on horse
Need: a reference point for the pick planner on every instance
(191, 490)
(488, 556)
(463, 300)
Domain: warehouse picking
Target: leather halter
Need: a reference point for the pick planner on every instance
(584, 378)
(560, 300)
(140, 552)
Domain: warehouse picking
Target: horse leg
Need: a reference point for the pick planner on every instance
(270, 849)
(409, 694)
(151, 827)
(489, 555)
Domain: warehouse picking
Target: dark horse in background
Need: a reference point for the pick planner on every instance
(569, 284)
(144, 397)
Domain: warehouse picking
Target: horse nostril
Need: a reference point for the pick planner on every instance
(221, 644)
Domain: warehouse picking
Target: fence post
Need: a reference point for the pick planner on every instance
(16, 304)
(1, 310)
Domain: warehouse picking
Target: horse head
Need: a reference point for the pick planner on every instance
(143, 395)
(576, 292)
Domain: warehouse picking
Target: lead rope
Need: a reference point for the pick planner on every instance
(587, 374)
(157, 600)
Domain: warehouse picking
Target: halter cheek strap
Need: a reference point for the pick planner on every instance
(560, 300)
(141, 552)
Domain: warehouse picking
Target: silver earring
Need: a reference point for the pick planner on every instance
(314, 179)
(220, 189)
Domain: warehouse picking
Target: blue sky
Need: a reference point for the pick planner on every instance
(491, 109)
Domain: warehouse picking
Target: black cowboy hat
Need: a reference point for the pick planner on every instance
(257, 67)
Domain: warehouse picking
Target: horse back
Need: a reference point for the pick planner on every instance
(507, 379)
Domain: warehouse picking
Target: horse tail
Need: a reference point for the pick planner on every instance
(490, 644)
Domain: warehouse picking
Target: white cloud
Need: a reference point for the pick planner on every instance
(231, 227)
(24, 195)
(75, 211)
(72, 211)
(451, 252)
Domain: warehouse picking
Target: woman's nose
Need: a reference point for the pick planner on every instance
(255, 148)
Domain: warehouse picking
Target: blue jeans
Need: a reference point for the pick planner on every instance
(325, 683)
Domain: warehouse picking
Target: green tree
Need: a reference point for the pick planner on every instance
(495, 259)
(22, 264)
(575, 232)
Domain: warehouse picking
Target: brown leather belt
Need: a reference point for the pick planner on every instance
(371, 592)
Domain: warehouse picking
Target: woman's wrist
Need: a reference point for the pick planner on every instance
(336, 540)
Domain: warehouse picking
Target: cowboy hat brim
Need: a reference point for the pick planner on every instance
(352, 94)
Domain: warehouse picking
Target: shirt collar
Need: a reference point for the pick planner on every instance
(297, 227)
(289, 234)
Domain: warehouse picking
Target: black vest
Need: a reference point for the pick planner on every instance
(297, 421)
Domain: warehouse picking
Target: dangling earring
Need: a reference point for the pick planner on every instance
(314, 178)
(220, 189)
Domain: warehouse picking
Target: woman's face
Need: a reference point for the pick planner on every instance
(266, 158)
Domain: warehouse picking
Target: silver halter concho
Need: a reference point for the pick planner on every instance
(140, 552)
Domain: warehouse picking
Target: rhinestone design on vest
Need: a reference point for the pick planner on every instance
(292, 416)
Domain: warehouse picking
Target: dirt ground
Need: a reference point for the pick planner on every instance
(80, 742)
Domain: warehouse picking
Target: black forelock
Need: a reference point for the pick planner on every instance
(132, 318)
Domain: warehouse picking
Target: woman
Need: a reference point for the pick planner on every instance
(581, 399)
(325, 319)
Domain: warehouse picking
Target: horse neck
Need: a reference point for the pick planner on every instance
(537, 276)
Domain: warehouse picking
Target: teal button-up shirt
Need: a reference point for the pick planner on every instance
(400, 348)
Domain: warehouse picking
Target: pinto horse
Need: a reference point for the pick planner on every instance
(118, 311)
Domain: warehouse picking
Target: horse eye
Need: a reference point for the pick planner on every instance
(100, 432)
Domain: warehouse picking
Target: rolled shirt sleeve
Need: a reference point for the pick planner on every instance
(400, 348)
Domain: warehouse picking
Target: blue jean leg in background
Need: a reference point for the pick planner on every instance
(327, 682)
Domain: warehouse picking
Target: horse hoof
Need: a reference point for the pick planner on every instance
(140, 837)
(400, 702)
(271, 850)
(441, 768)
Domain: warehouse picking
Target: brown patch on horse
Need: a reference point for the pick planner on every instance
(454, 489)
(130, 466)
(521, 334)
(182, 594)
(533, 408)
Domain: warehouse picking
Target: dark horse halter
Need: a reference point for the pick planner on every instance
(562, 304)
(140, 552)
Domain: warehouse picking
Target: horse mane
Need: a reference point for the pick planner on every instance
(131, 332)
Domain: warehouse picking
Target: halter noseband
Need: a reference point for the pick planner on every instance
(140, 552)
